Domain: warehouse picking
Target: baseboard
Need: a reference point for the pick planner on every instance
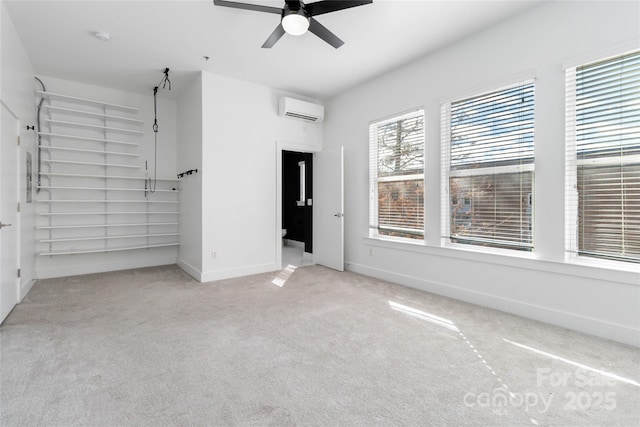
(588, 325)
(77, 270)
(210, 276)
(190, 270)
(25, 287)
(294, 243)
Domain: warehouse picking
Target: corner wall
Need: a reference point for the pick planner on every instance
(17, 83)
(241, 127)
(535, 44)
(189, 156)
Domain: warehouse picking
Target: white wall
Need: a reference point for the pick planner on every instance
(189, 156)
(241, 127)
(536, 44)
(57, 266)
(17, 85)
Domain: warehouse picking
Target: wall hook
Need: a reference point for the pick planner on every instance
(189, 172)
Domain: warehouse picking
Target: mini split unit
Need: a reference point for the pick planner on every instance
(301, 110)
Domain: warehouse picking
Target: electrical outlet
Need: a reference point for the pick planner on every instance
(370, 251)
(214, 254)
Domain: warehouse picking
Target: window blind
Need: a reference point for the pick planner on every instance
(489, 140)
(603, 159)
(396, 176)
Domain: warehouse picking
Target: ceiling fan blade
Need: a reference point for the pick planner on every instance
(274, 37)
(321, 31)
(247, 6)
(320, 7)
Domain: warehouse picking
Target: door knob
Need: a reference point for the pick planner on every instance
(339, 214)
(4, 225)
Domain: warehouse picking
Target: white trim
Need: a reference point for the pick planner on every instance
(572, 162)
(392, 239)
(190, 269)
(5, 105)
(589, 325)
(25, 287)
(517, 259)
(86, 268)
(499, 84)
(445, 162)
(280, 147)
(210, 276)
(602, 54)
(445, 166)
(374, 179)
(586, 261)
(394, 117)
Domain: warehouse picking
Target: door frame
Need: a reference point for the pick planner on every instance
(17, 188)
(280, 147)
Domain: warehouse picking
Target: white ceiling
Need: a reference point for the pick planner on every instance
(149, 35)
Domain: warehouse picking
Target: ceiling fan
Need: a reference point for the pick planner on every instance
(296, 17)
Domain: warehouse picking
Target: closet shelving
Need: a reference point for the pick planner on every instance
(94, 195)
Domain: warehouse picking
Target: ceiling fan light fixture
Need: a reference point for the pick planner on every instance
(295, 23)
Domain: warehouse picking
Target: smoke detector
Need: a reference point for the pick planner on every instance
(101, 35)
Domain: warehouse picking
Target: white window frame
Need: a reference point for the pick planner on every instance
(446, 173)
(572, 251)
(373, 181)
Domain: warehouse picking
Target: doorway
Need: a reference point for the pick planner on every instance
(297, 208)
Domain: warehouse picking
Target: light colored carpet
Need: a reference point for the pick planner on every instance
(152, 347)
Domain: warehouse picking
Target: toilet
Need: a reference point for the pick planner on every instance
(284, 233)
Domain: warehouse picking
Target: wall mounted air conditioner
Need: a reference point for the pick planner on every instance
(301, 110)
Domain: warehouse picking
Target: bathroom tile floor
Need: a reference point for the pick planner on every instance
(293, 255)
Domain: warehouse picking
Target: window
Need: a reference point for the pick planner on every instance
(396, 176)
(603, 159)
(488, 165)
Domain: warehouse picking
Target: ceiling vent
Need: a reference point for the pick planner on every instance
(301, 110)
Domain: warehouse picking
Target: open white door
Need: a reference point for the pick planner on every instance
(8, 213)
(328, 213)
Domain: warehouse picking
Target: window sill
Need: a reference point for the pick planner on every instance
(397, 240)
(584, 261)
(525, 260)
